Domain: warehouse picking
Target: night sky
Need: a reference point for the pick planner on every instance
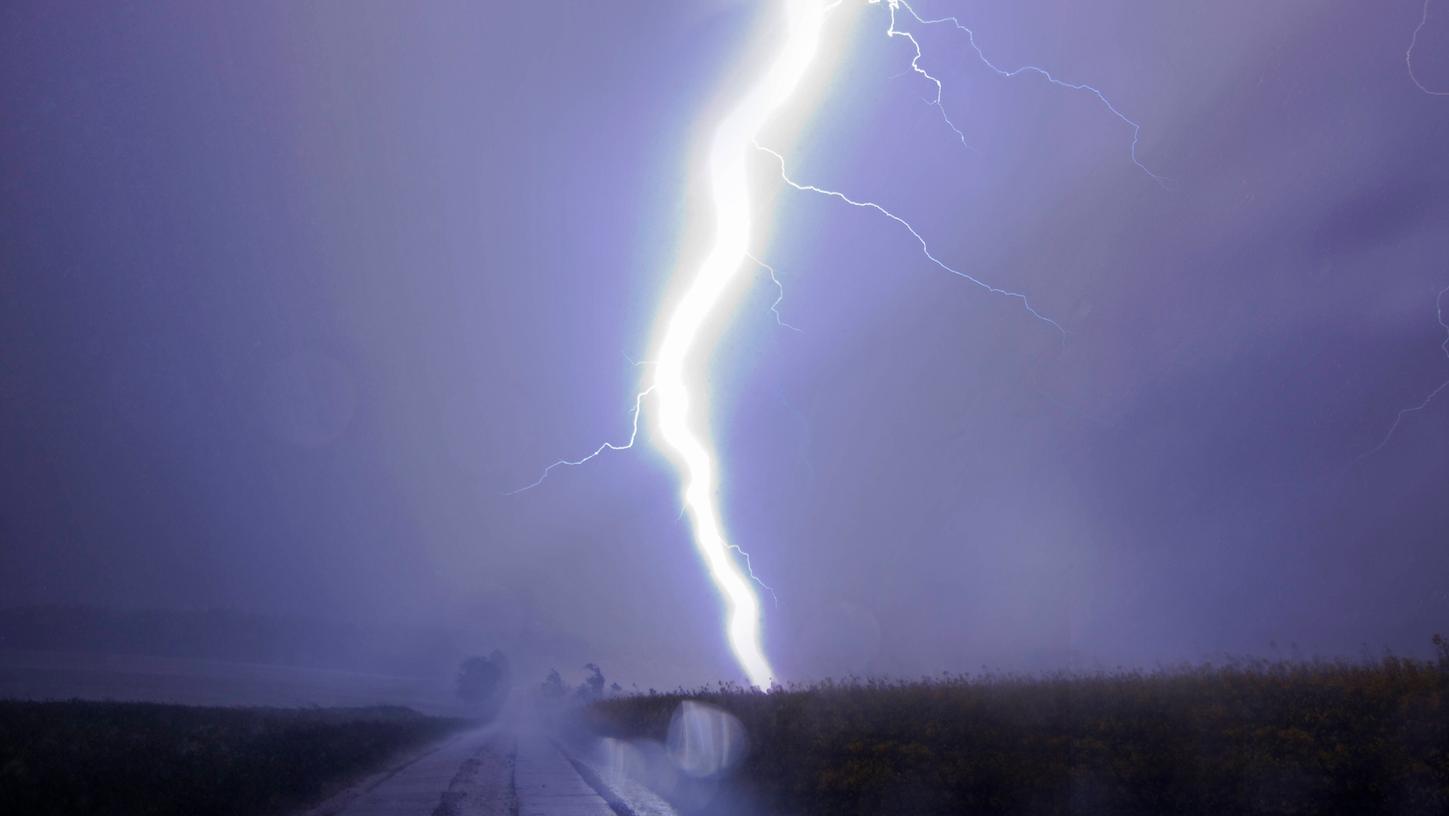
(291, 295)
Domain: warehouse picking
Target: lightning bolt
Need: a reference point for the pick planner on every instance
(599, 451)
(1409, 54)
(729, 193)
(891, 32)
(1414, 409)
(921, 242)
(1010, 73)
(774, 307)
(734, 140)
(732, 221)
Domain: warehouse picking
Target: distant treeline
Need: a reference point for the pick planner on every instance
(1248, 738)
(229, 636)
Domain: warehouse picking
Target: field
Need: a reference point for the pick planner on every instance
(1253, 737)
(80, 757)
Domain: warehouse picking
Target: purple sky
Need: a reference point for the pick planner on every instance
(293, 293)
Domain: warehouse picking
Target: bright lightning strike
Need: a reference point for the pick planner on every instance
(730, 197)
(1409, 54)
(732, 142)
(730, 147)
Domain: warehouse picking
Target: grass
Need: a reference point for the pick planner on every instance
(81, 757)
(1256, 737)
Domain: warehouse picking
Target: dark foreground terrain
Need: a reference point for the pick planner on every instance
(1261, 738)
(82, 757)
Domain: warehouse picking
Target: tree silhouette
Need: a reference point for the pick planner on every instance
(593, 686)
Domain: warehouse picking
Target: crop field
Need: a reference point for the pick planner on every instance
(1252, 737)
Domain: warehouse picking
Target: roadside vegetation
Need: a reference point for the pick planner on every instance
(1253, 737)
(81, 757)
